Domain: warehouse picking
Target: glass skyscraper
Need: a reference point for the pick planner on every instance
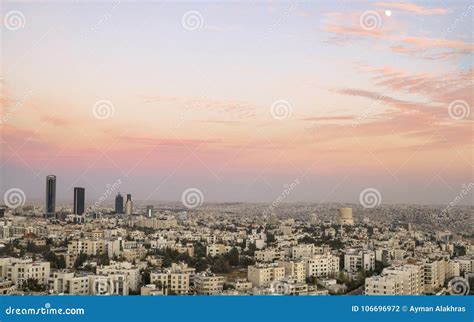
(119, 204)
(50, 195)
(79, 200)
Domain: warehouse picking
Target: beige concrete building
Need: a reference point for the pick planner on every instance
(87, 246)
(345, 217)
(383, 285)
(411, 278)
(322, 265)
(435, 275)
(295, 270)
(217, 249)
(124, 268)
(269, 255)
(262, 275)
(175, 279)
(208, 284)
(357, 260)
(19, 270)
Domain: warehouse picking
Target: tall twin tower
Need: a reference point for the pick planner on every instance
(79, 198)
(119, 204)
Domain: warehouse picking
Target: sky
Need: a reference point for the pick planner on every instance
(239, 99)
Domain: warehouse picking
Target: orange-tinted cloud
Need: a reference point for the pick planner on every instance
(412, 8)
(346, 26)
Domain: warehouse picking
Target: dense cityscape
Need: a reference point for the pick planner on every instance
(196, 248)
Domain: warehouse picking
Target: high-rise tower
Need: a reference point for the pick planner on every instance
(149, 211)
(119, 204)
(79, 200)
(50, 195)
(129, 205)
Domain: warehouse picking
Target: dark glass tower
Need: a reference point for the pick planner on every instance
(119, 204)
(50, 195)
(79, 200)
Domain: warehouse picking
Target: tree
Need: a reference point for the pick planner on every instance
(32, 285)
(103, 259)
(221, 266)
(201, 264)
(80, 260)
(199, 250)
(270, 237)
(146, 277)
(233, 257)
(56, 261)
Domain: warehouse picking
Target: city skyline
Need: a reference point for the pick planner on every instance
(308, 157)
(240, 101)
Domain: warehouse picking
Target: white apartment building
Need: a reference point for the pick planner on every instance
(125, 268)
(87, 246)
(59, 281)
(269, 255)
(114, 284)
(383, 285)
(262, 275)
(435, 275)
(453, 269)
(217, 249)
(242, 285)
(208, 284)
(357, 260)
(466, 265)
(411, 278)
(288, 286)
(175, 279)
(322, 265)
(19, 270)
(114, 248)
(295, 270)
(303, 250)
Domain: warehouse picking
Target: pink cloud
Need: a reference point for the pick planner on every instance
(412, 8)
(346, 26)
